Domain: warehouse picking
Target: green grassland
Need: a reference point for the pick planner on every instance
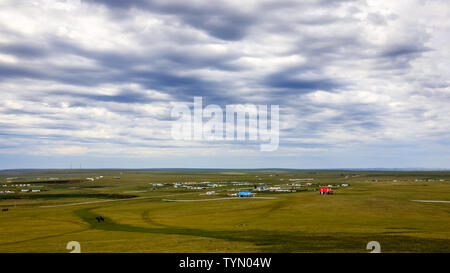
(140, 217)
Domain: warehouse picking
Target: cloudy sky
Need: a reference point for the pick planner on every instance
(359, 83)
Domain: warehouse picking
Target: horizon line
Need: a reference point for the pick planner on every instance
(241, 169)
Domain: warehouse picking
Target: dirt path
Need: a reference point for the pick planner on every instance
(215, 199)
(431, 201)
(113, 200)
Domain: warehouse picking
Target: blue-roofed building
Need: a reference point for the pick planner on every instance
(245, 194)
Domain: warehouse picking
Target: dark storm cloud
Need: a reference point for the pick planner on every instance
(125, 67)
(356, 117)
(400, 50)
(298, 80)
(215, 18)
(107, 67)
(23, 50)
(223, 21)
(292, 84)
(17, 71)
(158, 71)
(123, 97)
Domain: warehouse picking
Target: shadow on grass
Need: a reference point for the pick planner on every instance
(66, 195)
(280, 241)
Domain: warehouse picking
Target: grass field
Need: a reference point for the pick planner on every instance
(141, 217)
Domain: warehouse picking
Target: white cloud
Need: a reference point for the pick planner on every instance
(102, 78)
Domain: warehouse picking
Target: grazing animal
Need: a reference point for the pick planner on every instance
(4, 209)
(100, 218)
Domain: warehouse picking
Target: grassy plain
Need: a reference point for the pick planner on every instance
(140, 217)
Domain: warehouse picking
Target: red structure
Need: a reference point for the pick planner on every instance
(326, 191)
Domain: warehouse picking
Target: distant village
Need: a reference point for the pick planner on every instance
(239, 188)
